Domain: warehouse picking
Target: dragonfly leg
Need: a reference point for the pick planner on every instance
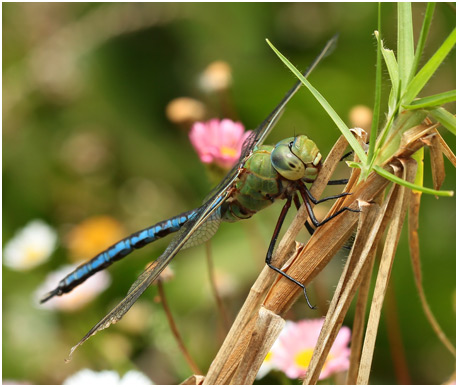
(283, 213)
(338, 182)
(346, 155)
(307, 225)
(306, 196)
(316, 201)
(341, 181)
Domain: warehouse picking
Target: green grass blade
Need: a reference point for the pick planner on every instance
(392, 66)
(419, 157)
(378, 91)
(384, 133)
(389, 141)
(423, 76)
(447, 119)
(327, 107)
(389, 176)
(432, 100)
(423, 35)
(405, 43)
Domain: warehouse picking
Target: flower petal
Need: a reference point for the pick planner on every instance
(218, 141)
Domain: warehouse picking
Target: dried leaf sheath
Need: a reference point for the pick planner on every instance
(372, 225)
(345, 291)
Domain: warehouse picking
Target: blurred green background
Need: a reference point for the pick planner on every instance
(85, 89)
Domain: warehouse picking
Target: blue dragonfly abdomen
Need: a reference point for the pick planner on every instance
(118, 251)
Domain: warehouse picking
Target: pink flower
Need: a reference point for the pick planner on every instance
(294, 348)
(218, 142)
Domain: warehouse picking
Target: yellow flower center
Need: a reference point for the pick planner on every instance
(302, 359)
(32, 254)
(268, 356)
(227, 151)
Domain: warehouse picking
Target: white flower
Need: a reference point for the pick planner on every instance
(134, 377)
(87, 377)
(30, 246)
(78, 297)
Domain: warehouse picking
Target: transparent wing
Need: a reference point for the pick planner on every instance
(206, 220)
(197, 230)
(205, 231)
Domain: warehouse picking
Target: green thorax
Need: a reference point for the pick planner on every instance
(268, 173)
(257, 183)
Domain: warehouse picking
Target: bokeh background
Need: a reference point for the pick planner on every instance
(88, 149)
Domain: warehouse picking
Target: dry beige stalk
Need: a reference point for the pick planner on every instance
(228, 357)
(337, 310)
(357, 332)
(268, 327)
(372, 225)
(359, 319)
(389, 252)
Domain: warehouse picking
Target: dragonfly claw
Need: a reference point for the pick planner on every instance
(307, 299)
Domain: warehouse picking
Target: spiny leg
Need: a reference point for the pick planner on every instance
(346, 155)
(307, 225)
(303, 188)
(283, 213)
(338, 182)
(316, 201)
(307, 197)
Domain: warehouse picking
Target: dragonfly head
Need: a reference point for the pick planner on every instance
(296, 158)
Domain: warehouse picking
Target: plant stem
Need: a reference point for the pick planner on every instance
(219, 301)
(195, 369)
(398, 355)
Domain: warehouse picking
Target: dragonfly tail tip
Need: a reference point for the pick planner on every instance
(49, 295)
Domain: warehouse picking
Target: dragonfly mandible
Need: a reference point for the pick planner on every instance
(262, 175)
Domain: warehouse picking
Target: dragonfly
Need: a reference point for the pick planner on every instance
(262, 175)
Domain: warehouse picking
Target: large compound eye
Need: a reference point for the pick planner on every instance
(286, 163)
